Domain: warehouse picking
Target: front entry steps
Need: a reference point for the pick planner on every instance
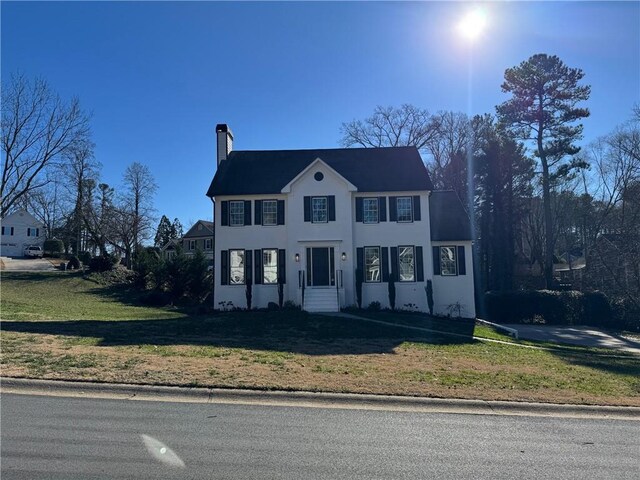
(321, 300)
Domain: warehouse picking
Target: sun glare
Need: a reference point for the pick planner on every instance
(473, 24)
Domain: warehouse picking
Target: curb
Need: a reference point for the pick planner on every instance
(310, 399)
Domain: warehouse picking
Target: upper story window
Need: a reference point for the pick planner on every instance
(208, 244)
(370, 210)
(406, 263)
(192, 244)
(448, 262)
(372, 264)
(404, 209)
(318, 209)
(31, 232)
(236, 213)
(269, 212)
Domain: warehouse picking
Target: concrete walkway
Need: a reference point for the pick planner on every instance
(577, 335)
(26, 264)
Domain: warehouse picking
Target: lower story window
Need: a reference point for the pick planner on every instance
(236, 270)
(372, 264)
(270, 266)
(448, 261)
(407, 264)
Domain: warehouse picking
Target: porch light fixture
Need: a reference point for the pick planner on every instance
(297, 257)
(344, 256)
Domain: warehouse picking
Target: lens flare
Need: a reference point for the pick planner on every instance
(473, 24)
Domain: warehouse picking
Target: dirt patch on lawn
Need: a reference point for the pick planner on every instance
(472, 370)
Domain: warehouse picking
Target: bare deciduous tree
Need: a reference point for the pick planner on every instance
(391, 127)
(38, 128)
(140, 188)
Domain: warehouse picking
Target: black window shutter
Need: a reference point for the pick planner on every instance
(257, 266)
(258, 212)
(224, 267)
(282, 265)
(394, 263)
(307, 209)
(360, 261)
(331, 206)
(247, 212)
(462, 266)
(436, 260)
(11, 231)
(416, 208)
(359, 209)
(224, 213)
(280, 212)
(393, 211)
(385, 263)
(419, 264)
(308, 266)
(382, 208)
(248, 265)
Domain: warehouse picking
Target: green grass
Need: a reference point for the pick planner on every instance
(69, 296)
(63, 326)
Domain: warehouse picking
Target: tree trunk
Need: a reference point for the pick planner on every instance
(548, 223)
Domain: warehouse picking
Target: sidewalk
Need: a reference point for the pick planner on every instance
(310, 399)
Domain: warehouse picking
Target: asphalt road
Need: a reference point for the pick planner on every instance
(67, 438)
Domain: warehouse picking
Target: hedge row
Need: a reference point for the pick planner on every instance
(550, 307)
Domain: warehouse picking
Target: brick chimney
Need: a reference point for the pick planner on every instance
(224, 139)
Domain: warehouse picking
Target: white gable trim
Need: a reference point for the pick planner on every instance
(318, 161)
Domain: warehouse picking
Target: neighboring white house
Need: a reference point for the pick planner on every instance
(20, 229)
(199, 237)
(312, 217)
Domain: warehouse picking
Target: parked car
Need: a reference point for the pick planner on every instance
(33, 251)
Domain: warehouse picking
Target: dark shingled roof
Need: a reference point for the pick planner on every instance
(449, 219)
(369, 169)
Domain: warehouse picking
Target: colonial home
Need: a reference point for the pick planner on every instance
(20, 230)
(199, 237)
(311, 219)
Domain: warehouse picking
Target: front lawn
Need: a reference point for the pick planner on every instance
(114, 341)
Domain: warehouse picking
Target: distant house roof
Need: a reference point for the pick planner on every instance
(206, 229)
(385, 169)
(24, 216)
(449, 219)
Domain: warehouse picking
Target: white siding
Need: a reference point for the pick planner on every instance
(14, 245)
(449, 290)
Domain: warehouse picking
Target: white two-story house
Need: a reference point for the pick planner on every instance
(314, 218)
(20, 230)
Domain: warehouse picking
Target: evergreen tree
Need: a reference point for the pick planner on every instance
(543, 109)
(164, 232)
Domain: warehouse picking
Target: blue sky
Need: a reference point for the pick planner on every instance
(158, 76)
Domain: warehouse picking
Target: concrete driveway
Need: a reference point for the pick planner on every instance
(26, 264)
(577, 335)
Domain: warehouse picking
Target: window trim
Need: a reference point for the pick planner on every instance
(208, 243)
(326, 209)
(364, 210)
(454, 248)
(275, 218)
(231, 203)
(192, 245)
(364, 260)
(244, 267)
(262, 266)
(410, 209)
(415, 276)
